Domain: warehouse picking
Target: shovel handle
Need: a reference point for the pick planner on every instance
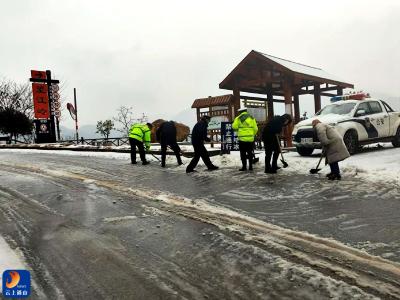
(155, 157)
(320, 159)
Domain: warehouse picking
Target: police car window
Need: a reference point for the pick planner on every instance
(375, 107)
(364, 106)
(337, 109)
(387, 106)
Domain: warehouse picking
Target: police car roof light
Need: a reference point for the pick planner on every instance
(351, 96)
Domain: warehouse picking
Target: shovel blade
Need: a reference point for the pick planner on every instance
(314, 171)
(284, 163)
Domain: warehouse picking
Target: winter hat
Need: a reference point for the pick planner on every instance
(315, 122)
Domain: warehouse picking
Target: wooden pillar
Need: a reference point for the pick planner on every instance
(296, 109)
(232, 112)
(236, 100)
(211, 131)
(317, 97)
(287, 92)
(339, 91)
(198, 114)
(270, 102)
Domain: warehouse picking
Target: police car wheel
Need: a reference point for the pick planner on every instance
(351, 141)
(304, 151)
(396, 140)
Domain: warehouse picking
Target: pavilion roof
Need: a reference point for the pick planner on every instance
(258, 70)
(213, 101)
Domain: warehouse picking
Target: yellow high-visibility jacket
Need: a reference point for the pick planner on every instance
(142, 133)
(246, 126)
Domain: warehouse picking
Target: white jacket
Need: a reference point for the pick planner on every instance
(332, 142)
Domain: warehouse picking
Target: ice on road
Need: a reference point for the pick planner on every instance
(160, 233)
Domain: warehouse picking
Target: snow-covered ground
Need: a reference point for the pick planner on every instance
(9, 259)
(375, 162)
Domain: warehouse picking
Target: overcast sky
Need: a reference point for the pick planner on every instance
(158, 56)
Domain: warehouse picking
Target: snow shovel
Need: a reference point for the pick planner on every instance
(155, 157)
(284, 163)
(316, 170)
(181, 153)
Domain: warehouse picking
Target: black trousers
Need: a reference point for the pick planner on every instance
(246, 153)
(335, 168)
(199, 151)
(135, 143)
(271, 150)
(174, 147)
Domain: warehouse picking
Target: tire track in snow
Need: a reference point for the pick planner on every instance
(370, 273)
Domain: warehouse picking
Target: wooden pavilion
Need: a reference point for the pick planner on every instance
(220, 107)
(281, 81)
(215, 106)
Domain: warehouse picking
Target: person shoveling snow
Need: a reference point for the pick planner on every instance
(333, 147)
(271, 142)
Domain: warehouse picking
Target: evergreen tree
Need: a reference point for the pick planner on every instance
(104, 128)
(14, 123)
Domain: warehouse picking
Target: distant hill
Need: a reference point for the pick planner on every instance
(187, 117)
(394, 102)
(85, 131)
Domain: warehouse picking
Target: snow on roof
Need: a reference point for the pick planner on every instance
(301, 68)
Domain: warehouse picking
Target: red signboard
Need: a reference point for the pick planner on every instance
(40, 101)
(38, 74)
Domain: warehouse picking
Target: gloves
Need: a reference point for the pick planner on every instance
(147, 147)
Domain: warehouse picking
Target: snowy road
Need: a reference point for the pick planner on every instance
(93, 226)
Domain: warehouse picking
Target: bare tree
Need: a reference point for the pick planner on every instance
(143, 119)
(125, 119)
(17, 97)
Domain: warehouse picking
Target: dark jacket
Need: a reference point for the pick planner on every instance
(273, 128)
(166, 133)
(199, 133)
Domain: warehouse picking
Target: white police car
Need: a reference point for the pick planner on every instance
(358, 118)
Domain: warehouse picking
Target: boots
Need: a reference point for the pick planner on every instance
(250, 164)
(335, 177)
(244, 166)
(269, 170)
(212, 168)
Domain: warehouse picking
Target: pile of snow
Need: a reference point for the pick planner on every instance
(376, 162)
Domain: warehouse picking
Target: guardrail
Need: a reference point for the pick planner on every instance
(121, 141)
(9, 140)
